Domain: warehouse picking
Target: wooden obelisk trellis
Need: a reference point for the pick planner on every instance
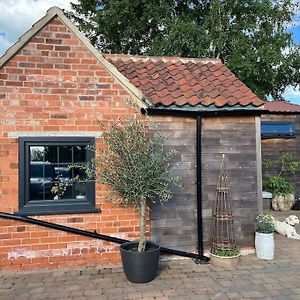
(223, 236)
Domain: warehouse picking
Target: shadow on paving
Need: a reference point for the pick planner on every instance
(177, 279)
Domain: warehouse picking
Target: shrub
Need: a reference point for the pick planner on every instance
(278, 184)
(227, 252)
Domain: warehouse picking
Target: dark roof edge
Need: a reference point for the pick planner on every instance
(267, 112)
(238, 112)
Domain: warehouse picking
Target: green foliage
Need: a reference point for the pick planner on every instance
(279, 184)
(249, 36)
(288, 164)
(226, 252)
(265, 223)
(135, 165)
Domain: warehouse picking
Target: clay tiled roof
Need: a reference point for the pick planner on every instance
(184, 81)
(281, 106)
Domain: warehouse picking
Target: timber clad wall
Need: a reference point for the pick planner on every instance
(236, 137)
(273, 148)
(55, 86)
(175, 224)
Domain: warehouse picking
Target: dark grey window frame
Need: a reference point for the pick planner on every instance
(278, 134)
(49, 207)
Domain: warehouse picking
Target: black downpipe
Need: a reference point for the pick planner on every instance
(199, 187)
(94, 235)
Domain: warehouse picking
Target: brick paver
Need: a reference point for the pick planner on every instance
(177, 279)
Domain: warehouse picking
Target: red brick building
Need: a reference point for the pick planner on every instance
(55, 87)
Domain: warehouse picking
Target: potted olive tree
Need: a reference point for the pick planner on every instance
(137, 170)
(278, 183)
(264, 236)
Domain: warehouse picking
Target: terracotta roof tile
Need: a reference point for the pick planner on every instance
(281, 106)
(184, 81)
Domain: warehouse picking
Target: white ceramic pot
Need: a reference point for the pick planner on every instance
(264, 245)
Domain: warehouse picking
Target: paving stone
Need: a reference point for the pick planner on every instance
(177, 279)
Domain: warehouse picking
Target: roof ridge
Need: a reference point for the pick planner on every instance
(285, 102)
(134, 57)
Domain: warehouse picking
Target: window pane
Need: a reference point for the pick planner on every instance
(63, 183)
(80, 190)
(51, 153)
(41, 180)
(65, 154)
(37, 153)
(79, 153)
(63, 171)
(277, 129)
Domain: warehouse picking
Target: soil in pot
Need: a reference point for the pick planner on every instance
(140, 267)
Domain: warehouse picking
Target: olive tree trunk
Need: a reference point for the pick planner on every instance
(142, 242)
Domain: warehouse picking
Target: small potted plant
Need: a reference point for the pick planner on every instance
(137, 170)
(278, 184)
(225, 257)
(264, 236)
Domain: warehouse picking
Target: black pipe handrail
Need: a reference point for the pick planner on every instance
(95, 235)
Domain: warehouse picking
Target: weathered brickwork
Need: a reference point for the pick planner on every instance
(175, 224)
(54, 85)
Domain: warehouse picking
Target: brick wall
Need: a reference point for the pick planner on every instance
(54, 85)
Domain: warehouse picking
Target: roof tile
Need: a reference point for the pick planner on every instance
(281, 106)
(184, 81)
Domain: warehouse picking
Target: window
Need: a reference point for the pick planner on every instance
(48, 183)
(277, 130)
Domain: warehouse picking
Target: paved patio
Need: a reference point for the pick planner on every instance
(177, 279)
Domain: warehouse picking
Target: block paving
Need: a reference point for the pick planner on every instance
(176, 279)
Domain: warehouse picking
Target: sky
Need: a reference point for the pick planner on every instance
(17, 16)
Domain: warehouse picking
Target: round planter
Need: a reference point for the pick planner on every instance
(140, 267)
(224, 261)
(264, 245)
(80, 197)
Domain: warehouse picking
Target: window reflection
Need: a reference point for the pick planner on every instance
(52, 177)
(37, 153)
(41, 180)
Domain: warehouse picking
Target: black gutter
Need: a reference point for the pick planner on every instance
(199, 186)
(95, 235)
(177, 112)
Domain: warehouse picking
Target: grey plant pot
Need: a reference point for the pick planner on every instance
(140, 267)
